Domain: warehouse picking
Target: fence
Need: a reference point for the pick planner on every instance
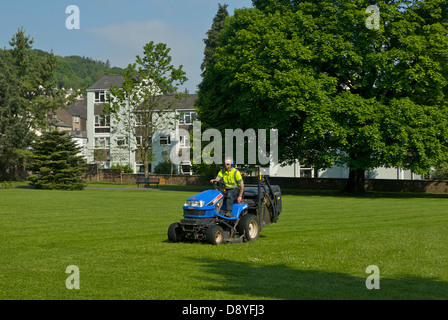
(380, 185)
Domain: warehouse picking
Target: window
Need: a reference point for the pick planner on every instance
(187, 117)
(102, 142)
(142, 119)
(165, 140)
(102, 121)
(141, 168)
(138, 141)
(138, 120)
(122, 141)
(306, 173)
(76, 119)
(184, 141)
(102, 124)
(100, 96)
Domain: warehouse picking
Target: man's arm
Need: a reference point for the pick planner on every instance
(217, 179)
(240, 196)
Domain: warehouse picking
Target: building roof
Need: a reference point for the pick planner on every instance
(185, 103)
(58, 123)
(106, 82)
(79, 108)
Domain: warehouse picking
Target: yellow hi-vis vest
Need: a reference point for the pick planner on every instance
(232, 179)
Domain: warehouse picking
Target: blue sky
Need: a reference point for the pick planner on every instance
(117, 29)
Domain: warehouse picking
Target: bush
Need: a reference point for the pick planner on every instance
(6, 185)
(207, 171)
(441, 174)
(126, 168)
(164, 168)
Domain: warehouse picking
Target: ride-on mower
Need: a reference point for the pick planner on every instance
(204, 217)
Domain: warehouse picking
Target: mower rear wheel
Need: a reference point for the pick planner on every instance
(248, 226)
(175, 233)
(214, 235)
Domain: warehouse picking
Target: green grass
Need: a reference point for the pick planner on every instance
(320, 248)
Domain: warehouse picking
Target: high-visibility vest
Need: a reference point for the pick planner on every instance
(232, 179)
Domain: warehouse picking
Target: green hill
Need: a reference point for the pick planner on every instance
(76, 72)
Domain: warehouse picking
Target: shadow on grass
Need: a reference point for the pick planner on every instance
(260, 281)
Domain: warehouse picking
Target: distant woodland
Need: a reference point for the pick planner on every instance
(76, 72)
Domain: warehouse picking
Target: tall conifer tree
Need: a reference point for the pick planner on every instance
(56, 164)
(28, 95)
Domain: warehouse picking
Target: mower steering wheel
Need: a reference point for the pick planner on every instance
(217, 185)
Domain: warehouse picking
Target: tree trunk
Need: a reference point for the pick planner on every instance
(145, 163)
(356, 181)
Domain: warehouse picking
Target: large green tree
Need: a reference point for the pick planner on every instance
(340, 91)
(211, 42)
(28, 95)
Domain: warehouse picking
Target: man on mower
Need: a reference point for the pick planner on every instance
(232, 179)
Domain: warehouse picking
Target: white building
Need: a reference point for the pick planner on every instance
(298, 171)
(109, 144)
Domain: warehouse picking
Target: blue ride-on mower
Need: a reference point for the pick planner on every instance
(205, 219)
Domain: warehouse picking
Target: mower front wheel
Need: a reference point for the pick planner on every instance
(214, 235)
(176, 233)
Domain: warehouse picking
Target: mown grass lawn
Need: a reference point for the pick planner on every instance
(320, 249)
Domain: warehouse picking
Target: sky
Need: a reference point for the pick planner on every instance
(117, 29)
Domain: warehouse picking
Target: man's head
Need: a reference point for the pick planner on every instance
(228, 162)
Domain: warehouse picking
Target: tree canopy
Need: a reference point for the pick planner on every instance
(28, 94)
(339, 92)
(138, 104)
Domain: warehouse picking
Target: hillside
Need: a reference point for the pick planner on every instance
(81, 72)
(76, 72)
